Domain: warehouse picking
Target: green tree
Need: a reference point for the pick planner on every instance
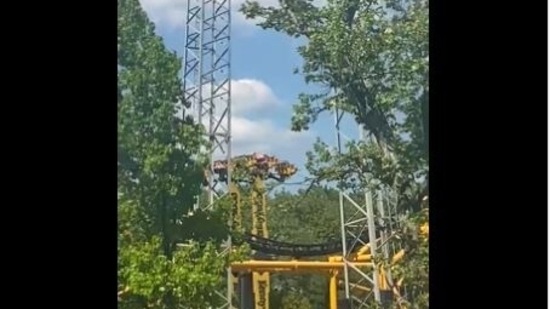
(304, 217)
(158, 178)
(371, 57)
(295, 300)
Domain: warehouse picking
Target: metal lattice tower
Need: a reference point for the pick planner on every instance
(358, 216)
(207, 86)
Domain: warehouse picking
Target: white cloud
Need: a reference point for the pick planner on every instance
(253, 102)
(167, 12)
(247, 96)
(252, 95)
(172, 13)
(264, 135)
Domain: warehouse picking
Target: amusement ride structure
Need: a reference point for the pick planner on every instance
(364, 230)
(250, 279)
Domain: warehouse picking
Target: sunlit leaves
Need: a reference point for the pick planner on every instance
(371, 60)
(374, 55)
(193, 272)
(413, 270)
(159, 177)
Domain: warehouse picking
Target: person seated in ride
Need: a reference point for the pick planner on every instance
(259, 157)
(261, 164)
(219, 167)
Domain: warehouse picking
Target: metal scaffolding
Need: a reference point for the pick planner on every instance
(360, 216)
(207, 87)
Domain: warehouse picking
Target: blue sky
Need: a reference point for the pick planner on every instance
(263, 85)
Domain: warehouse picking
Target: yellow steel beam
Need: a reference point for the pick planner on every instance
(261, 290)
(236, 201)
(281, 266)
(364, 250)
(333, 290)
(357, 258)
(425, 229)
(260, 280)
(398, 256)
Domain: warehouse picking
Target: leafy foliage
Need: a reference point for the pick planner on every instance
(151, 280)
(303, 218)
(374, 55)
(314, 218)
(414, 269)
(372, 59)
(158, 179)
(295, 301)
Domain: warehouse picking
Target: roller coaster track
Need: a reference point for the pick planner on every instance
(269, 246)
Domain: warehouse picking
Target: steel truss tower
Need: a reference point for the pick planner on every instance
(360, 216)
(207, 87)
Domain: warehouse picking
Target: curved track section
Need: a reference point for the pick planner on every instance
(269, 246)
